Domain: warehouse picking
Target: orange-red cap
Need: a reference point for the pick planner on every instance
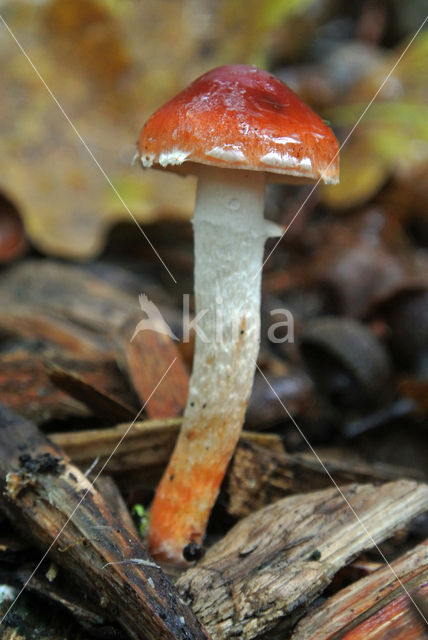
(241, 117)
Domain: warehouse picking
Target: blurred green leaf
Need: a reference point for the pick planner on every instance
(278, 10)
(141, 517)
(392, 136)
(249, 26)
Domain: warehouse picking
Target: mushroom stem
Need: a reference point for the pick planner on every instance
(230, 233)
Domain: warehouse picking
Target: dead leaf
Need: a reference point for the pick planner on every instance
(109, 65)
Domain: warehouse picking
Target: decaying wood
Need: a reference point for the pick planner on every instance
(18, 563)
(46, 497)
(146, 358)
(79, 312)
(375, 606)
(99, 401)
(110, 492)
(64, 595)
(101, 373)
(259, 475)
(148, 444)
(260, 472)
(272, 564)
(12, 547)
(347, 467)
(64, 305)
(25, 387)
(43, 383)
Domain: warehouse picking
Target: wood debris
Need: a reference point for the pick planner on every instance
(148, 444)
(101, 403)
(259, 475)
(269, 567)
(376, 606)
(46, 497)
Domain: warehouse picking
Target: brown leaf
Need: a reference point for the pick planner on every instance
(147, 357)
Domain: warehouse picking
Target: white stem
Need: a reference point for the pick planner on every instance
(230, 233)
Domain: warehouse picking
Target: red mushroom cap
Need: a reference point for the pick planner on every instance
(241, 117)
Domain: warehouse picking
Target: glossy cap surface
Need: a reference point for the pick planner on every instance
(241, 117)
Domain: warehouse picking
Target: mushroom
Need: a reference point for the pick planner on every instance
(235, 128)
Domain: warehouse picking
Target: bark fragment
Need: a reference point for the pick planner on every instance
(47, 497)
(375, 606)
(274, 563)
